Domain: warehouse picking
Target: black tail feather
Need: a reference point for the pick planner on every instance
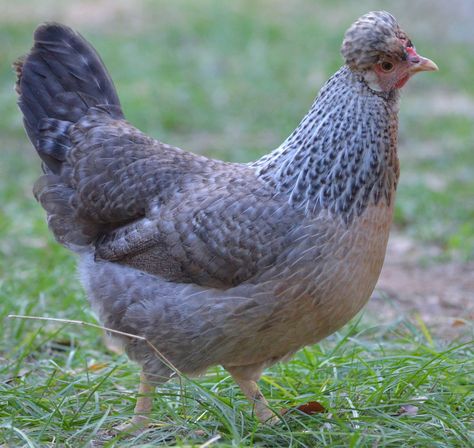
(60, 79)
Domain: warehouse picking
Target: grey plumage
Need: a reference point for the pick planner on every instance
(370, 37)
(215, 262)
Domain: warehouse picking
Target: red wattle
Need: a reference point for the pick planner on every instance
(402, 82)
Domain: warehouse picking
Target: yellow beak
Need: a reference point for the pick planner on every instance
(421, 64)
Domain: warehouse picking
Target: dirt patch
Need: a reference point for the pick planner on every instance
(413, 284)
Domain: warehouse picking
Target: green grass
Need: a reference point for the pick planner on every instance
(363, 377)
(232, 80)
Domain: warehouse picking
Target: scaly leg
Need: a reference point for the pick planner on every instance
(141, 417)
(249, 387)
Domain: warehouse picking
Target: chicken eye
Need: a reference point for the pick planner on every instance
(386, 66)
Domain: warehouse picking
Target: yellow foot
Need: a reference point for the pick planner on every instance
(135, 426)
(267, 417)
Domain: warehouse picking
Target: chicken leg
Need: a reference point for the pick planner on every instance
(141, 417)
(247, 380)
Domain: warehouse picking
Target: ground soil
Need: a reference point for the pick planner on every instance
(416, 284)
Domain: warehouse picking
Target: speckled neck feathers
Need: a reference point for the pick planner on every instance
(342, 156)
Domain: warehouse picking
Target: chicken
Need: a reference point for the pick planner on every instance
(218, 263)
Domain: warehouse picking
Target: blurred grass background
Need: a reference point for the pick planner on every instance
(230, 80)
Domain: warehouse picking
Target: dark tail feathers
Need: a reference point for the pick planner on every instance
(57, 82)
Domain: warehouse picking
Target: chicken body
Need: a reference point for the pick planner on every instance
(229, 259)
(212, 262)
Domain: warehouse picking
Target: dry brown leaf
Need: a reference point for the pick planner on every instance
(97, 366)
(60, 345)
(310, 408)
(458, 322)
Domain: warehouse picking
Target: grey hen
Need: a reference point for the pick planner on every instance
(220, 263)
